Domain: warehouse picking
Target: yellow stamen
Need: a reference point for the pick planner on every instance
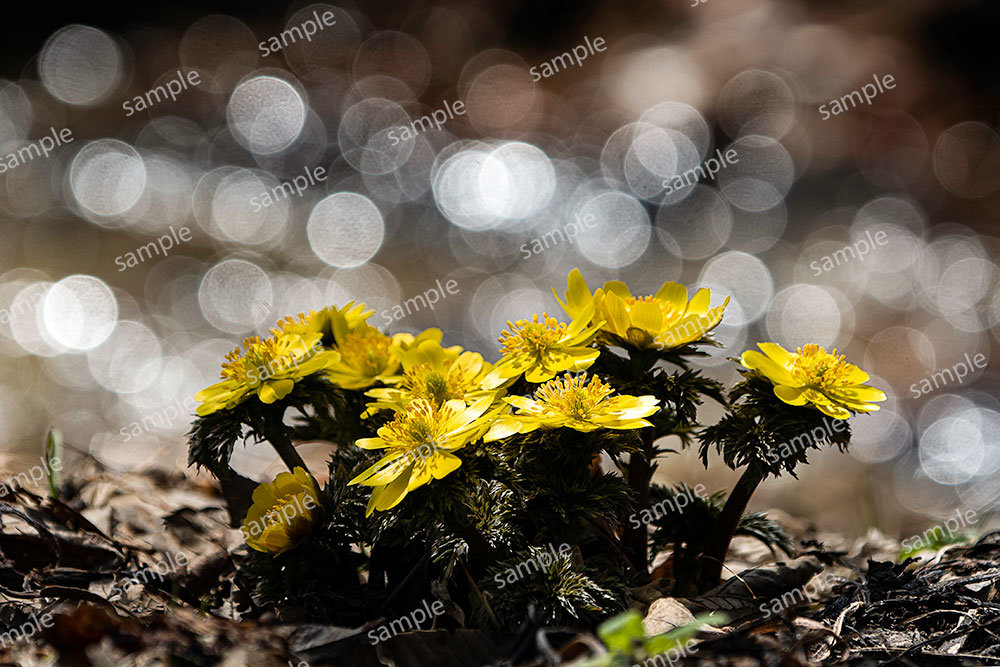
(424, 381)
(290, 324)
(258, 355)
(573, 397)
(669, 314)
(532, 337)
(421, 424)
(366, 351)
(816, 367)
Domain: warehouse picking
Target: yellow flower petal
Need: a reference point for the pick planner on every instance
(858, 394)
(384, 470)
(674, 295)
(577, 293)
(268, 525)
(391, 494)
(699, 303)
(777, 374)
(502, 428)
(618, 288)
(834, 411)
(776, 353)
(275, 390)
(615, 314)
(647, 315)
(811, 375)
(790, 395)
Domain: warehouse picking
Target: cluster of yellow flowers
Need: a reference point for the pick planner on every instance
(444, 398)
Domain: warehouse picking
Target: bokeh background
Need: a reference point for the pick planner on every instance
(112, 358)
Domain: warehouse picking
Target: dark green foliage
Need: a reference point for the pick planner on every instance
(331, 414)
(765, 530)
(320, 577)
(556, 590)
(686, 530)
(551, 477)
(317, 581)
(213, 437)
(767, 434)
(682, 391)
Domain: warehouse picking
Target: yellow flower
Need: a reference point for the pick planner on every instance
(570, 402)
(350, 317)
(365, 358)
(368, 356)
(266, 368)
(419, 443)
(664, 320)
(813, 375)
(411, 350)
(543, 349)
(433, 372)
(283, 512)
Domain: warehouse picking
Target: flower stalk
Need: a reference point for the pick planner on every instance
(278, 437)
(722, 533)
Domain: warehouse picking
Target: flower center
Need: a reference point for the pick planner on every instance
(817, 367)
(420, 426)
(290, 324)
(573, 397)
(263, 357)
(532, 337)
(669, 314)
(366, 351)
(425, 382)
(298, 526)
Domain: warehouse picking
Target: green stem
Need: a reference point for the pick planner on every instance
(640, 472)
(278, 437)
(722, 533)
